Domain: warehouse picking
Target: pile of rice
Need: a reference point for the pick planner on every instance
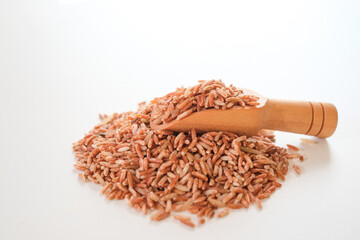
(163, 171)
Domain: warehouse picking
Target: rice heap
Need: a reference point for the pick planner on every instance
(163, 171)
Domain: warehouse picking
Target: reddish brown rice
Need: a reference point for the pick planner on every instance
(163, 172)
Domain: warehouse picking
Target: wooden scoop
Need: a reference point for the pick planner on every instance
(310, 118)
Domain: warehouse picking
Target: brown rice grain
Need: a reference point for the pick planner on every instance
(223, 213)
(297, 169)
(185, 220)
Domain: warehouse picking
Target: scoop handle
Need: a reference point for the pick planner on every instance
(311, 118)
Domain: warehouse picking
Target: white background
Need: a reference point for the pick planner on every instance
(63, 62)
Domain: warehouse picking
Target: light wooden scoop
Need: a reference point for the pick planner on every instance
(311, 118)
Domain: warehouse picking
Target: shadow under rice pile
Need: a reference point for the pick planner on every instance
(160, 172)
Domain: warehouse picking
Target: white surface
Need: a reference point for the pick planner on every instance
(63, 62)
